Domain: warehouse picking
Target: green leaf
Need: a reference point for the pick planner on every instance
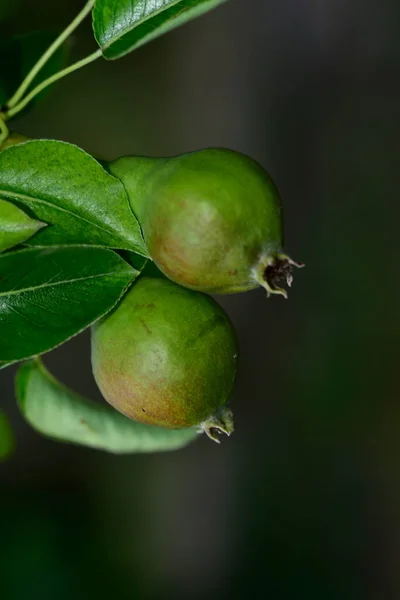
(7, 441)
(15, 226)
(48, 295)
(19, 54)
(4, 363)
(123, 25)
(67, 188)
(57, 412)
(135, 260)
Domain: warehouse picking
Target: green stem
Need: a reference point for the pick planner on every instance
(78, 65)
(49, 52)
(4, 132)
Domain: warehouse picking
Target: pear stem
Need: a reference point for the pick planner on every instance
(273, 267)
(218, 423)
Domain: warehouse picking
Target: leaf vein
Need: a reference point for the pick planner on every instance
(53, 284)
(22, 197)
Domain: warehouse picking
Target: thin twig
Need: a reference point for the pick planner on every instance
(49, 53)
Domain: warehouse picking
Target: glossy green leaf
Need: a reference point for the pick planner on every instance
(7, 441)
(68, 189)
(19, 54)
(4, 363)
(123, 25)
(57, 412)
(48, 295)
(15, 226)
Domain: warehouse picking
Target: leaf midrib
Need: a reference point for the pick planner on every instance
(66, 281)
(18, 196)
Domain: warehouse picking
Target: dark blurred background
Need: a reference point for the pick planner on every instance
(303, 502)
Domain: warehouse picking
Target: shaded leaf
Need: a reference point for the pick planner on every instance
(15, 226)
(135, 260)
(18, 54)
(63, 186)
(49, 295)
(57, 412)
(7, 441)
(123, 25)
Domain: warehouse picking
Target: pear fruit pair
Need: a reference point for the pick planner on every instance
(212, 222)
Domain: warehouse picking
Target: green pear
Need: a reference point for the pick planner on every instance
(212, 219)
(167, 356)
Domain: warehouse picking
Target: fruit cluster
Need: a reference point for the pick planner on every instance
(212, 223)
(133, 249)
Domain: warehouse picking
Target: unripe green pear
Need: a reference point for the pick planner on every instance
(166, 356)
(212, 219)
